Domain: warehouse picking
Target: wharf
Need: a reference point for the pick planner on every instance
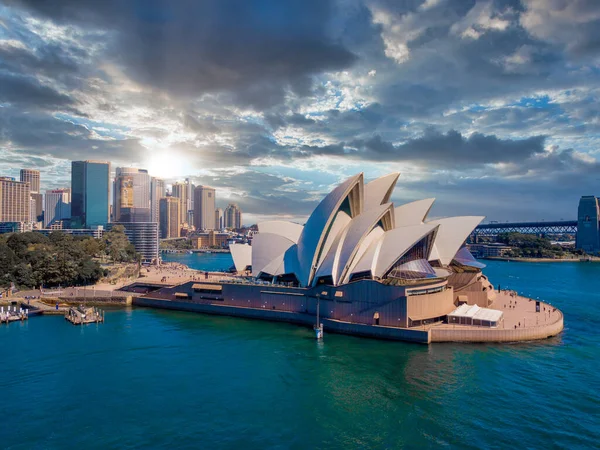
(82, 315)
(13, 315)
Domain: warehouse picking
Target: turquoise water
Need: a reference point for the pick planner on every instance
(201, 261)
(157, 379)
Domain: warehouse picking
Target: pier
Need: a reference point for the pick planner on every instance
(13, 315)
(82, 315)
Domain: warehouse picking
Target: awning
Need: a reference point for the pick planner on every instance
(475, 312)
(207, 287)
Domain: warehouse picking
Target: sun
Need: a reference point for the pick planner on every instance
(166, 164)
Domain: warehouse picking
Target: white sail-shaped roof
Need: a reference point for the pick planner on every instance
(451, 235)
(329, 264)
(289, 230)
(356, 232)
(266, 247)
(315, 232)
(242, 256)
(340, 222)
(413, 213)
(396, 243)
(379, 191)
(367, 244)
(275, 267)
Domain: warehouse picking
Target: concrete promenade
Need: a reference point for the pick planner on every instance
(521, 322)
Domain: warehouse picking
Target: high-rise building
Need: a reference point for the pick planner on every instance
(15, 204)
(190, 195)
(219, 222)
(90, 193)
(33, 178)
(57, 206)
(233, 216)
(37, 204)
(131, 199)
(180, 191)
(170, 218)
(204, 208)
(588, 224)
(143, 236)
(157, 191)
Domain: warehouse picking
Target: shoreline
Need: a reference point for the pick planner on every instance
(541, 260)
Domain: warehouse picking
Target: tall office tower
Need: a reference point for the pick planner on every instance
(180, 190)
(90, 193)
(38, 206)
(588, 224)
(219, 223)
(131, 199)
(15, 204)
(33, 178)
(204, 208)
(32, 208)
(57, 205)
(190, 195)
(233, 216)
(170, 218)
(157, 191)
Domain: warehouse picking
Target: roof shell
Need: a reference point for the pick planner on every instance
(379, 191)
(413, 213)
(266, 247)
(315, 231)
(289, 230)
(242, 256)
(357, 231)
(451, 235)
(395, 243)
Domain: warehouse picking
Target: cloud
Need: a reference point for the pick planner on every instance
(256, 50)
(274, 102)
(574, 24)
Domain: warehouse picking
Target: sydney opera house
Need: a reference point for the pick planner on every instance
(371, 269)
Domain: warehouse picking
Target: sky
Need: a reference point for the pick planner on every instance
(492, 107)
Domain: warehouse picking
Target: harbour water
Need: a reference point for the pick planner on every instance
(151, 379)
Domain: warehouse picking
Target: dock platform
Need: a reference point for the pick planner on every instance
(8, 315)
(84, 315)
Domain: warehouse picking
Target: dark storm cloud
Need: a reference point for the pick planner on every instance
(255, 49)
(29, 92)
(43, 135)
(449, 150)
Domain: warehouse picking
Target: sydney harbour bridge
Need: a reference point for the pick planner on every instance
(543, 228)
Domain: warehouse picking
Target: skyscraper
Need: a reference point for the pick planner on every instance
(131, 199)
(33, 178)
(170, 218)
(233, 216)
(588, 224)
(157, 191)
(57, 205)
(180, 191)
(219, 223)
(204, 208)
(15, 205)
(90, 191)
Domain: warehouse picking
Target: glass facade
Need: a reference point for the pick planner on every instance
(90, 185)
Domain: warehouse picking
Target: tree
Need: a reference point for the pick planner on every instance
(117, 245)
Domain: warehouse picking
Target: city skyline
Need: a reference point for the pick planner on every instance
(469, 100)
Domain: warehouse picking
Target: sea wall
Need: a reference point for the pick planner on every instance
(469, 334)
(330, 325)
